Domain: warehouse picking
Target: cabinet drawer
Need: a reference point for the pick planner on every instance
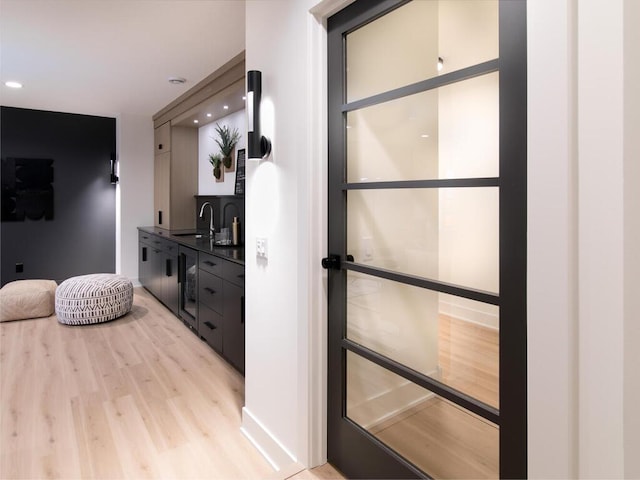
(146, 238)
(234, 273)
(210, 291)
(211, 264)
(170, 247)
(211, 327)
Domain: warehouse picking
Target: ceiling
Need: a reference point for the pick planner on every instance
(111, 57)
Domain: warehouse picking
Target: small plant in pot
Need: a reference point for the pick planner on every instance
(216, 161)
(227, 141)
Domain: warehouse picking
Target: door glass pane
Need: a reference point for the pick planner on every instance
(449, 132)
(448, 234)
(451, 339)
(439, 437)
(403, 47)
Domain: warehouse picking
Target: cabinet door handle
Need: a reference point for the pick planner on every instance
(144, 254)
(211, 264)
(168, 268)
(242, 310)
(159, 217)
(209, 290)
(210, 325)
(181, 269)
(159, 146)
(241, 275)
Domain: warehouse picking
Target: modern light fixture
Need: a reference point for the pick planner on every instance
(226, 107)
(114, 177)
(258, 145)
(195, 121)
(176, 80)
(13, 84)
(208, 115)
(440, 63)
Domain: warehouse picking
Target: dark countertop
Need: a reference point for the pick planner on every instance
(234, 253)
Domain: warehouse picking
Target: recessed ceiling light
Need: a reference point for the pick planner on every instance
(440, 63)
(176, 80)
(226, 107)
(195, 121)
(12, 84)
(244, 97)
(424, 135)
(209, 115)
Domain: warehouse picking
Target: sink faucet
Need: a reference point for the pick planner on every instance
(211, 228)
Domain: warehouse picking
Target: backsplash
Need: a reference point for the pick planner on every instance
(224, 209)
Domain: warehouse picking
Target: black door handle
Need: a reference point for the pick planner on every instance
(332, 262)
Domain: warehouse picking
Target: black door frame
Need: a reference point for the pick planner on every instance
(381, 461)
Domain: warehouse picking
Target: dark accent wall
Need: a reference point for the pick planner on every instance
(75, 235)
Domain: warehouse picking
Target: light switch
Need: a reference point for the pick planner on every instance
(261, 247)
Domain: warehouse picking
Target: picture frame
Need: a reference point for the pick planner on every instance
(240, 172)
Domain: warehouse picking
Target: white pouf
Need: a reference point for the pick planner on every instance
(94, 298)
(22, 299)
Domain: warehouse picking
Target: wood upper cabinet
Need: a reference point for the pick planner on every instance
(162, 138)
(175, 176)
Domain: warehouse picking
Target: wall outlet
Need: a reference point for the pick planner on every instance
(261, 247)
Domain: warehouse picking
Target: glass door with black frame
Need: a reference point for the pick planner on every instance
(427, 229)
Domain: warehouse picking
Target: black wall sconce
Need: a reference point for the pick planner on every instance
(114, 177)
(258, 145)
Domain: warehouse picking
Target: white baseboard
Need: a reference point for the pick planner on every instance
(269, 446)
(389, 404)
(463, 312)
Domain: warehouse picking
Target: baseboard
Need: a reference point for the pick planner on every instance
(468, 314)
(388, 405)
(269, 446)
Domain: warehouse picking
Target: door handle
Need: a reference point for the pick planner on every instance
(332, 262)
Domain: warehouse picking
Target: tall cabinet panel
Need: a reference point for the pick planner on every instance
(175, 176)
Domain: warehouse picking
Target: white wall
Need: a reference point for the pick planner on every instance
(631, 239)
(277, 300)
(583, 268)
(207, 184)
(134, 197)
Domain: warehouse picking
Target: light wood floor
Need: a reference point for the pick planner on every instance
(139, 397)
(442, 439)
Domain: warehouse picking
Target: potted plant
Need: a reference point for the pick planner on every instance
(227, 141)
(215, 161)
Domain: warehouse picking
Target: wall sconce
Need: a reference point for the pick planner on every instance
(114, 177)
(258, 145)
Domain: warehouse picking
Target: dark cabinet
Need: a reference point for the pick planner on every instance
(221, 307)
(158, 268)
(233, 329)
(170, 285)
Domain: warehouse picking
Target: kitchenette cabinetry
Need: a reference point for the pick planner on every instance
(158, 268)
(221, 307)
(200, 287)
(175, 176)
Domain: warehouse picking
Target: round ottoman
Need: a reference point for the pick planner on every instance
(94, 298)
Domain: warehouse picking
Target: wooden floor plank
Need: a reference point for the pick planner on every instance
(139, 397)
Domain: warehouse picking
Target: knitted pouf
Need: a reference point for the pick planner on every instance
(27, 299)
(94, 298)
